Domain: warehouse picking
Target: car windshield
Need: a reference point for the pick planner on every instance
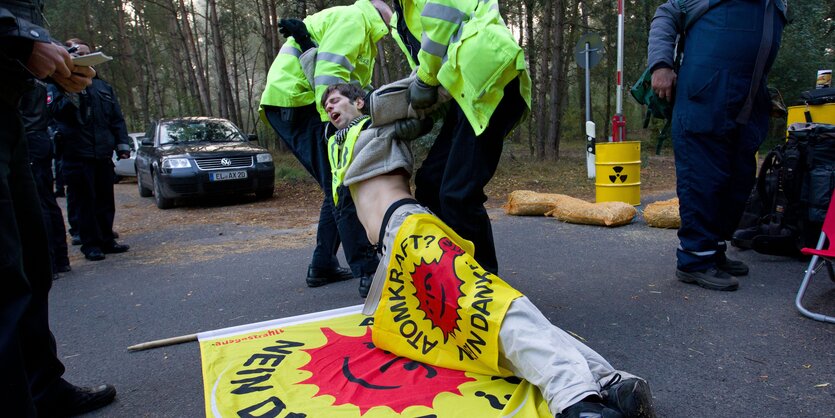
(180, 132)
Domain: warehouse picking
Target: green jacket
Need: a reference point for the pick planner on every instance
(346, 38)
(466, 48)
(341, 152)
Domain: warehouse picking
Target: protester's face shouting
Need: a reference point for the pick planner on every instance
(341, 110)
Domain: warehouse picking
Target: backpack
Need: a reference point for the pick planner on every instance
(788, 204)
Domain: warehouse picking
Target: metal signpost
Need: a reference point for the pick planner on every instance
(588, 52)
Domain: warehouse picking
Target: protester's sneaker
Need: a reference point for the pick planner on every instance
(321, 276)
(65, 399)
(365, 285)
(76, 240)
(586, 409)
(732, 267)
(631, 397)
(711, 278)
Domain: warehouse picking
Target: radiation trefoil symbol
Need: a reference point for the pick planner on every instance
(617, 176)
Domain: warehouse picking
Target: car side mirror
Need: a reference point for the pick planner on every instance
(146, 142)
(252, 137)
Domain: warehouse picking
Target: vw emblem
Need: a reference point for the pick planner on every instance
(225, 162)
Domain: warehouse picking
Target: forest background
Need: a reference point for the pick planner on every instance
(210, 58)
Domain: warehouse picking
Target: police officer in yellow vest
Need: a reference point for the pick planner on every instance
(465, 47)
(346, 37)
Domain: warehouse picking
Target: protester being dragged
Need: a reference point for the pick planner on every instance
(438, 279)
(89, 128)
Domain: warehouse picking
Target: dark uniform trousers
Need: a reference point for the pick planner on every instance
(451, 180)
(90, 186)
(52, 215)
(25, 278)
(715, 155)
(304, 133)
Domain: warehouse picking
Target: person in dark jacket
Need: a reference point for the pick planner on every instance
(35, 114)
(31, 383)
(89, 127)
(720, 118)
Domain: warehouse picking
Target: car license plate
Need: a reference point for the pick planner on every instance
(227, 175)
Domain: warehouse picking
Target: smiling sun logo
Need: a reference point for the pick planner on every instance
(438, 288)
(355, 372)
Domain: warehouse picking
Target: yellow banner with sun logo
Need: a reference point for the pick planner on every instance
(438, 305)
(326, 365)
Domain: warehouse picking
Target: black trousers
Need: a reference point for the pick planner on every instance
(304, 133)
(52, 216)
(28, 360)
(451, 180)
(90, 187)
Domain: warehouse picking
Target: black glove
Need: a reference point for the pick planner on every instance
(421, 95)
(297, 29)
(409, 129)
(123, 155)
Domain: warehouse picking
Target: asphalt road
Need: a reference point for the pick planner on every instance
(705, 353)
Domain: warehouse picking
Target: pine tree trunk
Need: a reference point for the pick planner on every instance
(544, 84)
(556, 80)
(196, 60)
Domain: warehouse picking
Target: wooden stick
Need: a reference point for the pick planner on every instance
(163, 342)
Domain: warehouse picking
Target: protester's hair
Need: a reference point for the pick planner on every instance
(77, 41)
(351, 91)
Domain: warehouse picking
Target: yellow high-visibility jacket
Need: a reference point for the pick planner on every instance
(346, 38)
(466, 47)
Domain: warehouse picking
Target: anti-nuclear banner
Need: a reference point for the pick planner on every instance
(438, 305)
(326, 365)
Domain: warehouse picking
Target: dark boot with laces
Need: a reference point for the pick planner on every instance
(589, 409)
(64, 399)
(732, 267)
(631, 397)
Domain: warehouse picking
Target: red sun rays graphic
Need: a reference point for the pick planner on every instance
(438, 288)
(355, 372)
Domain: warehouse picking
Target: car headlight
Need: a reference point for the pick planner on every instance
(263, 158)
(176, 163)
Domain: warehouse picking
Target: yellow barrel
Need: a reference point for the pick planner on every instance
(822, 113)
(618, 172)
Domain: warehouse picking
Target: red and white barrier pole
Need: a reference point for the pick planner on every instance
(618, 121)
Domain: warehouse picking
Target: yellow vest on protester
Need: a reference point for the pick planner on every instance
(467, 49)
(341, 152)
(346, 38)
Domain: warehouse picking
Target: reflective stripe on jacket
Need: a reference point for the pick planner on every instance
(466, 47)
(346, 38)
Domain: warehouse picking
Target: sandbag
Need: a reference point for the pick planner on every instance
(663, 214)
(530, 203)
(578, 211)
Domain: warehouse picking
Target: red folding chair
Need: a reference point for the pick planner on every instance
(826, 256)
